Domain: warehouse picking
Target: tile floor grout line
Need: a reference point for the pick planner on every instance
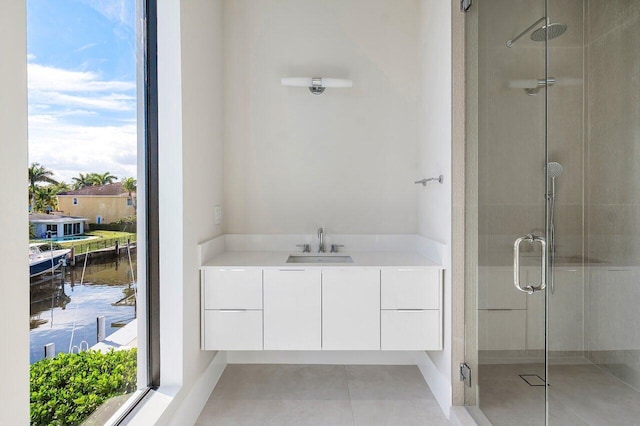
(346, 377)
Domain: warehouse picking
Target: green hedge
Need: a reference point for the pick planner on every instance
(65, 390)
(122, 227)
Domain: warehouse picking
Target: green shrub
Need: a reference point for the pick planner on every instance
(65, 390)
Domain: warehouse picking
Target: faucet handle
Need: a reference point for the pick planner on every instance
(305, 248)
(335, 247)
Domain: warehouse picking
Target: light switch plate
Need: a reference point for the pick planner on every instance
(218, 215)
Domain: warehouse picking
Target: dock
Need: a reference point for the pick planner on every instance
(123, 339)
(108, 251)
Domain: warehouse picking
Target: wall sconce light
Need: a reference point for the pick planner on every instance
(316, 85)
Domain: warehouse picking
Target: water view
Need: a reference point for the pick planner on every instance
(64, 312)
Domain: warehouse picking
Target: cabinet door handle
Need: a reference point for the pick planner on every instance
(410, 310)
(234, 310)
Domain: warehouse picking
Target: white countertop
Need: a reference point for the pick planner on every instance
(278, 259)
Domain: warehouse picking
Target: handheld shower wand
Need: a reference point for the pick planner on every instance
(553, 170)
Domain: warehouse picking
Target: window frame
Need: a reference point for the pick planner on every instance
(149, 193)
(150, 57)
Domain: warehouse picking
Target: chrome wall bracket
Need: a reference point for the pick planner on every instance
(465, 373)
(424, 181)
(316, 86)
(532, 91)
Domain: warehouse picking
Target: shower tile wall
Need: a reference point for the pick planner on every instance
(511, 171)
(613, 186)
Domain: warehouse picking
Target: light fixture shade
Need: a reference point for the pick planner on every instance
(309, 82)
(336, 82)
(297, 81)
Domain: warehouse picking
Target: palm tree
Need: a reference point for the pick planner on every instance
(46, 198)
(82, 180)
(102, 179)
(130, 185)
(61, 187)
(38, 173)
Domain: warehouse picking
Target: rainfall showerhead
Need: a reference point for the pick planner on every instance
(553, 169)
(546, 32)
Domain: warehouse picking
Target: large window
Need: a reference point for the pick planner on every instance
(92, 123)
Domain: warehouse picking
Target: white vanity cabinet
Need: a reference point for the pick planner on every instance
(231, 308)
(411, 302)
(351, 309)
(292, 309)
(321, 308)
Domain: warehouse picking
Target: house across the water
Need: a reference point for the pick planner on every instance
(101, 204)
(59, 226)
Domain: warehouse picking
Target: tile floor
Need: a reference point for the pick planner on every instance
(578, 395)
(321, 395)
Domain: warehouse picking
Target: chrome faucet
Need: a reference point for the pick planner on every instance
(321, 236)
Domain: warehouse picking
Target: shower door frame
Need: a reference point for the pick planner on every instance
(471, 209)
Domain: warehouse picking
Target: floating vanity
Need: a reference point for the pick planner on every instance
(265, 300)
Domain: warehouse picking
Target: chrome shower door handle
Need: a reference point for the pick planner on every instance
(530, 238)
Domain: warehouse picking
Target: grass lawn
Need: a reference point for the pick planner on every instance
(111, 234)
(100, 240)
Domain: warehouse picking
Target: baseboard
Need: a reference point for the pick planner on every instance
(439, 385)
(324, 357)
(478, 416)
(188, 412)
(461, 417)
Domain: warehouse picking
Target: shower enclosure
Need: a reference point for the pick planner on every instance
(552, 253)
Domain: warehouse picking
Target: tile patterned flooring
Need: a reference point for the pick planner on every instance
(302, 395)
(579, 395)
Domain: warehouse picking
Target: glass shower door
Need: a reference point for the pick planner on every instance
(507, 214)
(594, 136)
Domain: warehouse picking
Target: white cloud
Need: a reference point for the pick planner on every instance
(85, 47)
(76, 125)
(121, 11)
(57, 79)
(50, 86)
(114, 102)
(69, 149)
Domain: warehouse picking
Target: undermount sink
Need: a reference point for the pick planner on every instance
(319, 259)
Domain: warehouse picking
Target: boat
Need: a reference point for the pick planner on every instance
(42, 260)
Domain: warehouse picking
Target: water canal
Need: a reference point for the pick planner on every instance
(64, 312)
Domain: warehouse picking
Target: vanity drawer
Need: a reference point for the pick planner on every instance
(410, 288)
(232, 288)
(410, 330)
(232, 330)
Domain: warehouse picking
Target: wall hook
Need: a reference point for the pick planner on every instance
(424, 181)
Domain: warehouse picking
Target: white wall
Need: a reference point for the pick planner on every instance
(14, 303)
(190, 169)
(434, 203)
(292, 161)
(345, 160)
(201, 158)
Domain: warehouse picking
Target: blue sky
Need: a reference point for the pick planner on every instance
(82, 86)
